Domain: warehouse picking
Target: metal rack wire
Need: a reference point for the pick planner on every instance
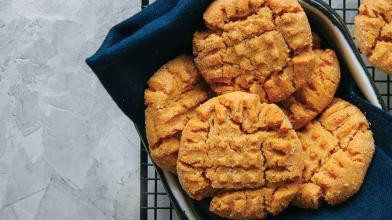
(154, 202)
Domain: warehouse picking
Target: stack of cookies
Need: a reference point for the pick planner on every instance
(251, 120)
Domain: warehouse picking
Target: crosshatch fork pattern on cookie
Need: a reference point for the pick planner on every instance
(154, 202)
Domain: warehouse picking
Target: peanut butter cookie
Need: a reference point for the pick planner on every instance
(373, 31)
(309, 101)
(338, 148)
(253, 203)
(235, 146)
(258, 46)
(175, 90)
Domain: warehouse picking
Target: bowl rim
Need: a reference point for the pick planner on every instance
(335, 18)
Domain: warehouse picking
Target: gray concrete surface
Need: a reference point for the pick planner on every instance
(66, 150)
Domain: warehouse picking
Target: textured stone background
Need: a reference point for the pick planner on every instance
(66, 150)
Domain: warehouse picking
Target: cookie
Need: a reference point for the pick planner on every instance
(253, 204)
(309, 101)
(373, 32)
(235, 143)
(258, 46)
(173, 93)
(338, 148)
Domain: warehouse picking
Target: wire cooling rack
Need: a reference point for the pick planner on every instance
(154, 202)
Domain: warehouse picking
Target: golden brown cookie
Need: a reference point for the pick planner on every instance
(258, 46)
(253, 203)
(373, 31)
(173, 93)
(338, 148)
(309, 101)
(235, 143)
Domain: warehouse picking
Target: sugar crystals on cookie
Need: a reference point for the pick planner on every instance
(174, 91)
(258, 46)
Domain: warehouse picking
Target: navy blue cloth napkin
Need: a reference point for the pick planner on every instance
(137, 47)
